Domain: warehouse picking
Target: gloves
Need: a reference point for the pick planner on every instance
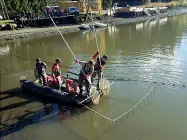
(101, 67)
(86, 76)
(95, 55)
(77, 61)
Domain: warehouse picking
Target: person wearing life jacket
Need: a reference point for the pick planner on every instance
(99, 66)
(85, 73)
(56, 72)
(40, 71)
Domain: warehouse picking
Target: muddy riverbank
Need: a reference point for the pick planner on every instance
(33, 32)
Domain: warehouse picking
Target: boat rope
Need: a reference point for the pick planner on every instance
(62, 37)
(132, 108)
(97, 113)
(126, 113)
(95, 93)
(66, 42)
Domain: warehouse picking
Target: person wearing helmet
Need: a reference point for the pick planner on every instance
(56, 72)
(85, 74)
(40, 71)
(99, 66)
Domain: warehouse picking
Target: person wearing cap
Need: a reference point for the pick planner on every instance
(99, 66)
(85, 73)
(56, 72)
(40, 71)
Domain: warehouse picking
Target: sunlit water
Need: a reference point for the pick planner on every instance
(153, 51)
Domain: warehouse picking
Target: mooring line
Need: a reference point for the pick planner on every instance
(97, 113)
(62, 37)
(66, 43)
(135, 104)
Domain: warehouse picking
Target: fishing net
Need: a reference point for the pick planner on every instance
(104, 85)
(95, 97)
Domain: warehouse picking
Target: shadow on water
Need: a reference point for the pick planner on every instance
(46, 111)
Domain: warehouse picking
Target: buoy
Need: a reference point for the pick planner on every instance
(184, 86)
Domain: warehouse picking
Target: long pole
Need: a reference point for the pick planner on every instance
(96, 39)
(66, 42)
(62, 37)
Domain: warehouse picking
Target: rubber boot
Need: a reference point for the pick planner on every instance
(81, 91)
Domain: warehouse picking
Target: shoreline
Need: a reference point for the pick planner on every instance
(46, 31)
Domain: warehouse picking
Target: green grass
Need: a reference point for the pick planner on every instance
(6, 21)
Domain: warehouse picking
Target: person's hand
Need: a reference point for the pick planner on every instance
(101, 67)
(86, 76)
(77, 61)
(95, 55)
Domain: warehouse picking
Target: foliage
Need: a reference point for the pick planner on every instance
(88, 4)
(106, 4)
(19, 6)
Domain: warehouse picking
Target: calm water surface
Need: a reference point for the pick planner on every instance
(154, 50)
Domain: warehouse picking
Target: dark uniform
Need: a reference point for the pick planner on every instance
(40, 72)
(98, 68)
(85, 72)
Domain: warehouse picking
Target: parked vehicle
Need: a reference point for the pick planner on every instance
(53, 11)
(72, 11)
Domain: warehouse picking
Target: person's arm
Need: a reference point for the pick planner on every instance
(95, 55)
(45, 65)
(82, 63)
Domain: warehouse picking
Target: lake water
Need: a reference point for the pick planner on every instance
(154, 51)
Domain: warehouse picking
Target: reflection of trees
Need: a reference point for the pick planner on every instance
(163, 35)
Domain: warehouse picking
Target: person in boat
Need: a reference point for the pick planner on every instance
(56, 72)
(85, 73)
(99, 66)
(40, 71)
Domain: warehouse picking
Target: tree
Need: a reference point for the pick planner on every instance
(88, 4)
(106, 4)
(16, 5)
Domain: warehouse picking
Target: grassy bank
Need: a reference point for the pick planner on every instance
(6, 21)
(168, 4)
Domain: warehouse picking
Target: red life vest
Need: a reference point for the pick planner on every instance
(69, 85)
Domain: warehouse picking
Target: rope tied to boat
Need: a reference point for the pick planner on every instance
(132, 108)
(65, 42)
(122, 115)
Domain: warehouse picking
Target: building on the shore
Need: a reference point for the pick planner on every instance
(124, 3)
(94, 5)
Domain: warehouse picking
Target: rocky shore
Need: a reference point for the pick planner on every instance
(33, 32)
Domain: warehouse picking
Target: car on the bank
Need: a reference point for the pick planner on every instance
(72, 11)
